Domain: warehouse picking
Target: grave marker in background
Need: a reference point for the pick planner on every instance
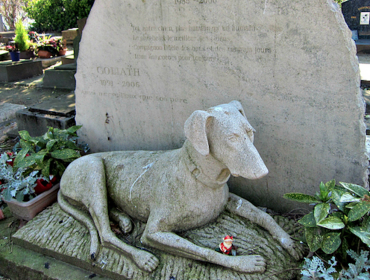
(145, 66)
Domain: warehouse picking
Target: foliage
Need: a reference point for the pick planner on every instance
(21, 37)
(315, 269)
(52, 45)
(340, 218)
(13, 10)
(12, 48)
(339, 2)
(15, 184)
(57, 15)
(50, 153)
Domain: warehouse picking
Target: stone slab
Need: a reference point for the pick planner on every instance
(69, 35)
(63, 105)
(56, 234)
(292, 65)
(19, 263)
(37, 123)
(57, 78)
(7, 111)
(15, 71)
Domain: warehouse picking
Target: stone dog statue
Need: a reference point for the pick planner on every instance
(172, 190)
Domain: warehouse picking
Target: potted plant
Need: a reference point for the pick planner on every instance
(18, 186)
(49, 47)
(31, 184)
(50, 153)
(13, 51)
(22, 41)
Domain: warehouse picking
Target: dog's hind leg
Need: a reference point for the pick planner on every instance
(97, 204)
(122, 219)
(83, 218)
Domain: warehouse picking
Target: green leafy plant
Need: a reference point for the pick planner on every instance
(315, 268)
(14, 182)
(21, 37)
(52, 45)
(57, 15)
(340, 218)
(50, 153)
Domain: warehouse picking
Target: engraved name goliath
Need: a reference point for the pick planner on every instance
(133, 72)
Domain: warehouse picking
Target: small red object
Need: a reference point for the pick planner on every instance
(42, 186)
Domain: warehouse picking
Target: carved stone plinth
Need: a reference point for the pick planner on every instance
(56, 234)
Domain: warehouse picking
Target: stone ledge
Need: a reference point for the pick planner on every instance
(56, 234)
(19, 263)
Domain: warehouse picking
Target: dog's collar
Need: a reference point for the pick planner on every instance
(197, 172)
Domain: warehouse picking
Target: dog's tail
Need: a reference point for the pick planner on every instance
(83, 218)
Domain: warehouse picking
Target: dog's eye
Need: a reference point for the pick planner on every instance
(233, 137)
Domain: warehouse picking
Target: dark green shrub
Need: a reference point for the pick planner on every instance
(57, 15)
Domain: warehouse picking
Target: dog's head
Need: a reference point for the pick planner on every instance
(225, 133)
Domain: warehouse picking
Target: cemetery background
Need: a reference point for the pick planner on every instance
(35, 93)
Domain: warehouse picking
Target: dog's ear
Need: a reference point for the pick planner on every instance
(196, 131)
(238, 106)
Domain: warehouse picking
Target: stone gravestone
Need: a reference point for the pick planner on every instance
(145, 66)
(357, 16)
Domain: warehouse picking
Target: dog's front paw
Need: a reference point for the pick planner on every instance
(294, 249)
(246, 264)
(146, 261)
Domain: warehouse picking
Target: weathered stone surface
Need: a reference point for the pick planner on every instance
(56, 234)
(145, 66)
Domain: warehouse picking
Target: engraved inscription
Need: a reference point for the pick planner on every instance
(137, 97)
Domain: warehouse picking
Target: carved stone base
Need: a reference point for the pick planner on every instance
(56, 234)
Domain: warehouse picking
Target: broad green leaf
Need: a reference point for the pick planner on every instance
(24, 135)
(362, 233)
(26, 162)
(73, 129)
(300, 197)
(331, 242)
(321, 211)
(46, 169)
(336, 195)
(331, 222)
(26, 145)
(308, 220)
(72, 146)
(50, 144)
(323, 192)
(351, 205)
(330, 185)
(314, 238)
(347, 197)
(20, 156)
(360, 191)
(358, 211)
(65, 154)
(39, 157)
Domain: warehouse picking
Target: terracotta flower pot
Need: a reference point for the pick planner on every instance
(62, 52)
(44, 54)
(28, 210)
